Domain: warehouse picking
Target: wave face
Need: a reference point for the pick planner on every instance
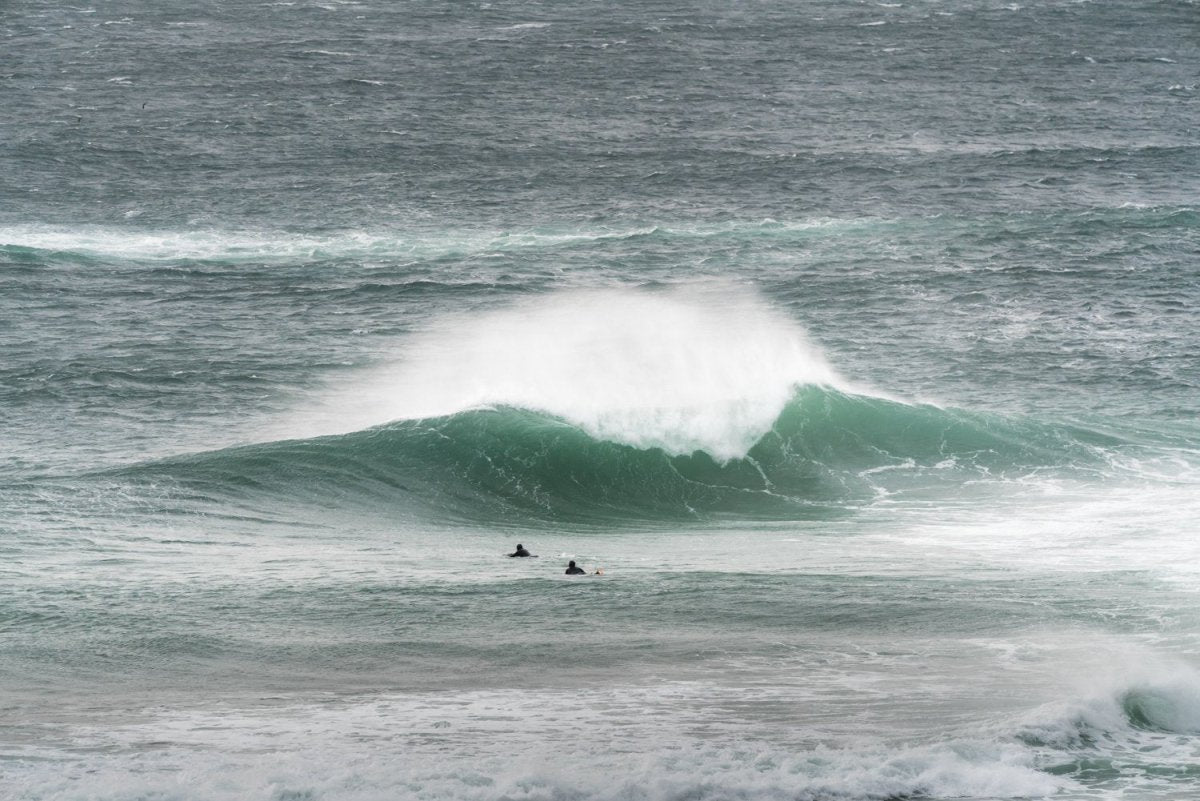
(826, 452)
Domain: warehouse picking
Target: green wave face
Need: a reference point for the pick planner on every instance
(828, 454)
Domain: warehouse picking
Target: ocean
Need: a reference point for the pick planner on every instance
(852, 348)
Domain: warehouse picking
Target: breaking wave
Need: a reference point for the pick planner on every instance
(681, 404)
(826, 452)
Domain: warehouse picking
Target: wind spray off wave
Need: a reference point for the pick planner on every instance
(706, 368)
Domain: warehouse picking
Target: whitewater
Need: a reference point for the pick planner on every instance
(851, 348)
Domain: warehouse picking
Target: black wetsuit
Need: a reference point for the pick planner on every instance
(575, 571)
(521, 552)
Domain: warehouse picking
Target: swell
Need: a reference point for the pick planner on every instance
(828, 453)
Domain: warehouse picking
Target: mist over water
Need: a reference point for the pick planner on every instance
(850, 348)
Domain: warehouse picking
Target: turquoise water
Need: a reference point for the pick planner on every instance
(854, 343)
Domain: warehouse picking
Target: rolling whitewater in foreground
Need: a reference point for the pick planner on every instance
(855, 343)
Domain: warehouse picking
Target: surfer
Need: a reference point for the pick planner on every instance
(521, 551)
(572, 570)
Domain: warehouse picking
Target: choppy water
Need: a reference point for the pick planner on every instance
(855, 342)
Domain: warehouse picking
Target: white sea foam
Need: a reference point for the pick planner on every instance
(200, 244)
(499, 745)
(706, 367)
(1050, 523)
(267, 246)
(699, 774)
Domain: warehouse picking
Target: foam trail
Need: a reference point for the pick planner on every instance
(696, 368)
(200, 244)
(281, 246)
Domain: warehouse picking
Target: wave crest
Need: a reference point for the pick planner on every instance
(703, 368)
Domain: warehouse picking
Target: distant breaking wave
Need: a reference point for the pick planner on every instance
(225, 246)
(248, 246)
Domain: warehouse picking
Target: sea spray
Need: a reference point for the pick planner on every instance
(697, 368)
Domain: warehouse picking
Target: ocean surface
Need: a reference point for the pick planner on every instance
(856, 343)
